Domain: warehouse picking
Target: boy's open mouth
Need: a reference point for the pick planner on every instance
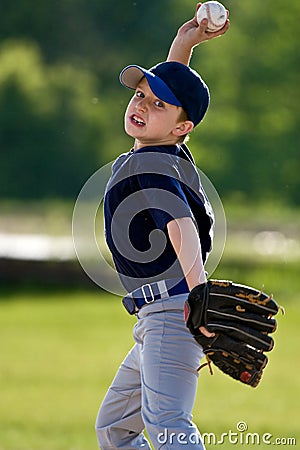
(137, 120)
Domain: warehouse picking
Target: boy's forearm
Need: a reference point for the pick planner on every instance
(180, 51)
(185, 241)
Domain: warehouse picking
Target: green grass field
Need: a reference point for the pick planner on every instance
(60, 350)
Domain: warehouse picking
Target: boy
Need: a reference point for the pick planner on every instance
(158, 225)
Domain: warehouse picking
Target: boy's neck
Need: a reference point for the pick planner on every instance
(138, 144)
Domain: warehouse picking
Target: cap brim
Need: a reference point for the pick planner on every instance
(131, 76)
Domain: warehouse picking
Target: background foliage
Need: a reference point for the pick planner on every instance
(61, 105)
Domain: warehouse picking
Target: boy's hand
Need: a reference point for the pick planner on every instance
(191, 34)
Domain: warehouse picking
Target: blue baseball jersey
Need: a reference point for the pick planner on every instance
(148, 188)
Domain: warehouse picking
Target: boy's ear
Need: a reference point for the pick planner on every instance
(183, 128)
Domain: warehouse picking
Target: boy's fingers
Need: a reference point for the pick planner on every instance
(225, 28)
(219, 32)
(197, 7)
(206, 333)
(203, 25)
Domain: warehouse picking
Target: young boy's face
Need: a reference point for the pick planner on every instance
(150, 121)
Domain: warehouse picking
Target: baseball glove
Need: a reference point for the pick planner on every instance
(241, 318)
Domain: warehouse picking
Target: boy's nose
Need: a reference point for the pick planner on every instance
(141, 105)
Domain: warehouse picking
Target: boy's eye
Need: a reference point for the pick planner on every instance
(139, 94)
(159, 103)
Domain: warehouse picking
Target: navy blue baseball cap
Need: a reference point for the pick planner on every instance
(174, 83)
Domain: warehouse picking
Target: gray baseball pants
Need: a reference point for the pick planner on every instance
(155, 386)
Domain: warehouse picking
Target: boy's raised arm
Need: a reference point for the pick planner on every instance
(189, 35)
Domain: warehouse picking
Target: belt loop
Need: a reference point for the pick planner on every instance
(145, 295)
(162, 288)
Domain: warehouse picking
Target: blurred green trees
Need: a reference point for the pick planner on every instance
(50, 127)
(61, 106)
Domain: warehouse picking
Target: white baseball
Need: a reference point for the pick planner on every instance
(216, 14)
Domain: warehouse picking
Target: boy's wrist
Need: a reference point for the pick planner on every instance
(194, 280)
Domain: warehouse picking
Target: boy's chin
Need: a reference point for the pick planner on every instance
(132, 132)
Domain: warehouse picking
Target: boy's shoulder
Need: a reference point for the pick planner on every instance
(163, 160)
